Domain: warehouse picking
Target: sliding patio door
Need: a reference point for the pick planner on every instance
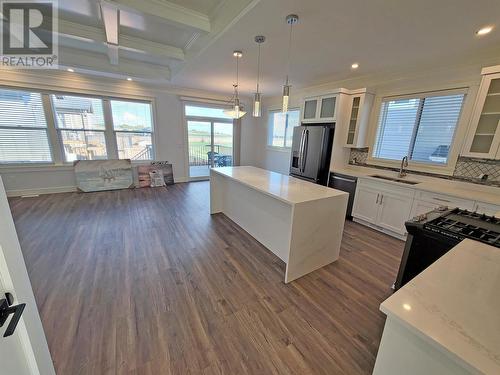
(199, 147)
(210, 137)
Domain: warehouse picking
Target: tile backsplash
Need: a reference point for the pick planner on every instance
(466, 169)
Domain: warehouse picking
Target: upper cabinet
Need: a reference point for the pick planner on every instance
(359, 114)
(484, 130)
(320, 109)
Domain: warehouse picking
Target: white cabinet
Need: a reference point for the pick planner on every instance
(486, 208)
(387, 207)
(421, 207)
(383, 205)
(366, 205)
(437, 199)
(394, 212)
(484, 130)
(359, 116)
(320, 108)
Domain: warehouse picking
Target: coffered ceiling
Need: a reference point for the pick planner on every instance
(189, 43)
(145, 40)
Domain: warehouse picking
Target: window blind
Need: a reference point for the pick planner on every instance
(23, 128)
(421, 128)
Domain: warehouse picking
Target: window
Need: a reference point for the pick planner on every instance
(421, 128)
(133, 128)
(80, 124)
(280, 131)
(23, 128)
(199, 111)
(80, 127)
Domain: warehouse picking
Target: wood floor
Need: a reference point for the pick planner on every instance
(147, 282)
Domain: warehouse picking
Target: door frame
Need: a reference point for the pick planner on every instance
(210, 120)
(15, 279)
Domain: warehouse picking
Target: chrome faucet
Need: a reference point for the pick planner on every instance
(404, 164)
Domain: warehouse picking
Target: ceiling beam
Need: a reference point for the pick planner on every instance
(98, 63)
(168, 12)
(79, 32)
(111, 20)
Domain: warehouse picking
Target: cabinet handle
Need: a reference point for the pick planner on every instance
(441, 199)
(381, 198)
(343, 179)
(378, 194)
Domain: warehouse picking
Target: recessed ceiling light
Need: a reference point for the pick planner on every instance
(71, 70)
(129, 79)
(406, 306)
(355, 66)
(484, 30)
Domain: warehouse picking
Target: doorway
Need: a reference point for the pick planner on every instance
(210, 137)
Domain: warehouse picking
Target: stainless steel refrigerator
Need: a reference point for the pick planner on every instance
(311, 152)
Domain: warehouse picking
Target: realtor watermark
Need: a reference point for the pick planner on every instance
(29, 34)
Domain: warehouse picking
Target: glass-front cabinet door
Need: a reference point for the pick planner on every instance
(310, 109)
(327, 109)
(484, 138)
(353, 121)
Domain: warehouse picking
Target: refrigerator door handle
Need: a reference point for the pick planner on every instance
(301, 150)
(304, 150)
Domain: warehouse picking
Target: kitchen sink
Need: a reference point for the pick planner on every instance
(393, 179)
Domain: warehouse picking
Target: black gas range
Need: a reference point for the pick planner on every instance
(432, 235)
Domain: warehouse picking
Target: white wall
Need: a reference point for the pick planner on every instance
(170, 138)
(381, 86)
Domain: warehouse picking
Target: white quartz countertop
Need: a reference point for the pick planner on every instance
(459, 189)
(285, 188)
(455, 306)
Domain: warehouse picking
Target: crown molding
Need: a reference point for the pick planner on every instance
(168, 12)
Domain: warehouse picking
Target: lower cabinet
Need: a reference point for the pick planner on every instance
(488, 209)
(387, 207)
(383, 205)
(394, 211)
(421, 207)
(366, 205)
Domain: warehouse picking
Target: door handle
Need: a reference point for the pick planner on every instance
(7, 309)
(304, 150)
(301, 149)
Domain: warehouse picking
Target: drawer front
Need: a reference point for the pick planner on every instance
(445, 200)
(488, 209)
(386, 187)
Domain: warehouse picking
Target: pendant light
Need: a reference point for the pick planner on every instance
(291, 20)
(257, 107)
(236, 110)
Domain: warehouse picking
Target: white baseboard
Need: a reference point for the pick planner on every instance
(377, 228)
(51, 190)
(58, 189)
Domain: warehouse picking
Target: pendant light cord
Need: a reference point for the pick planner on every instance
(289, 53)
(258, 70)
(237, 76)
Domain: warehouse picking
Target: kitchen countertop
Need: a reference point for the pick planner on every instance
(459, 189)
(288, 189)
(454, 305)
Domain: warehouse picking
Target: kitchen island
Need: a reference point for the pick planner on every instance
(300, 222)
(447, 319)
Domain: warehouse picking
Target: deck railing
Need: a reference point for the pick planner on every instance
(199, 154)
(146, 154)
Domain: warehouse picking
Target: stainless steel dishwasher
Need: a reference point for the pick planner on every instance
(345, 183)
